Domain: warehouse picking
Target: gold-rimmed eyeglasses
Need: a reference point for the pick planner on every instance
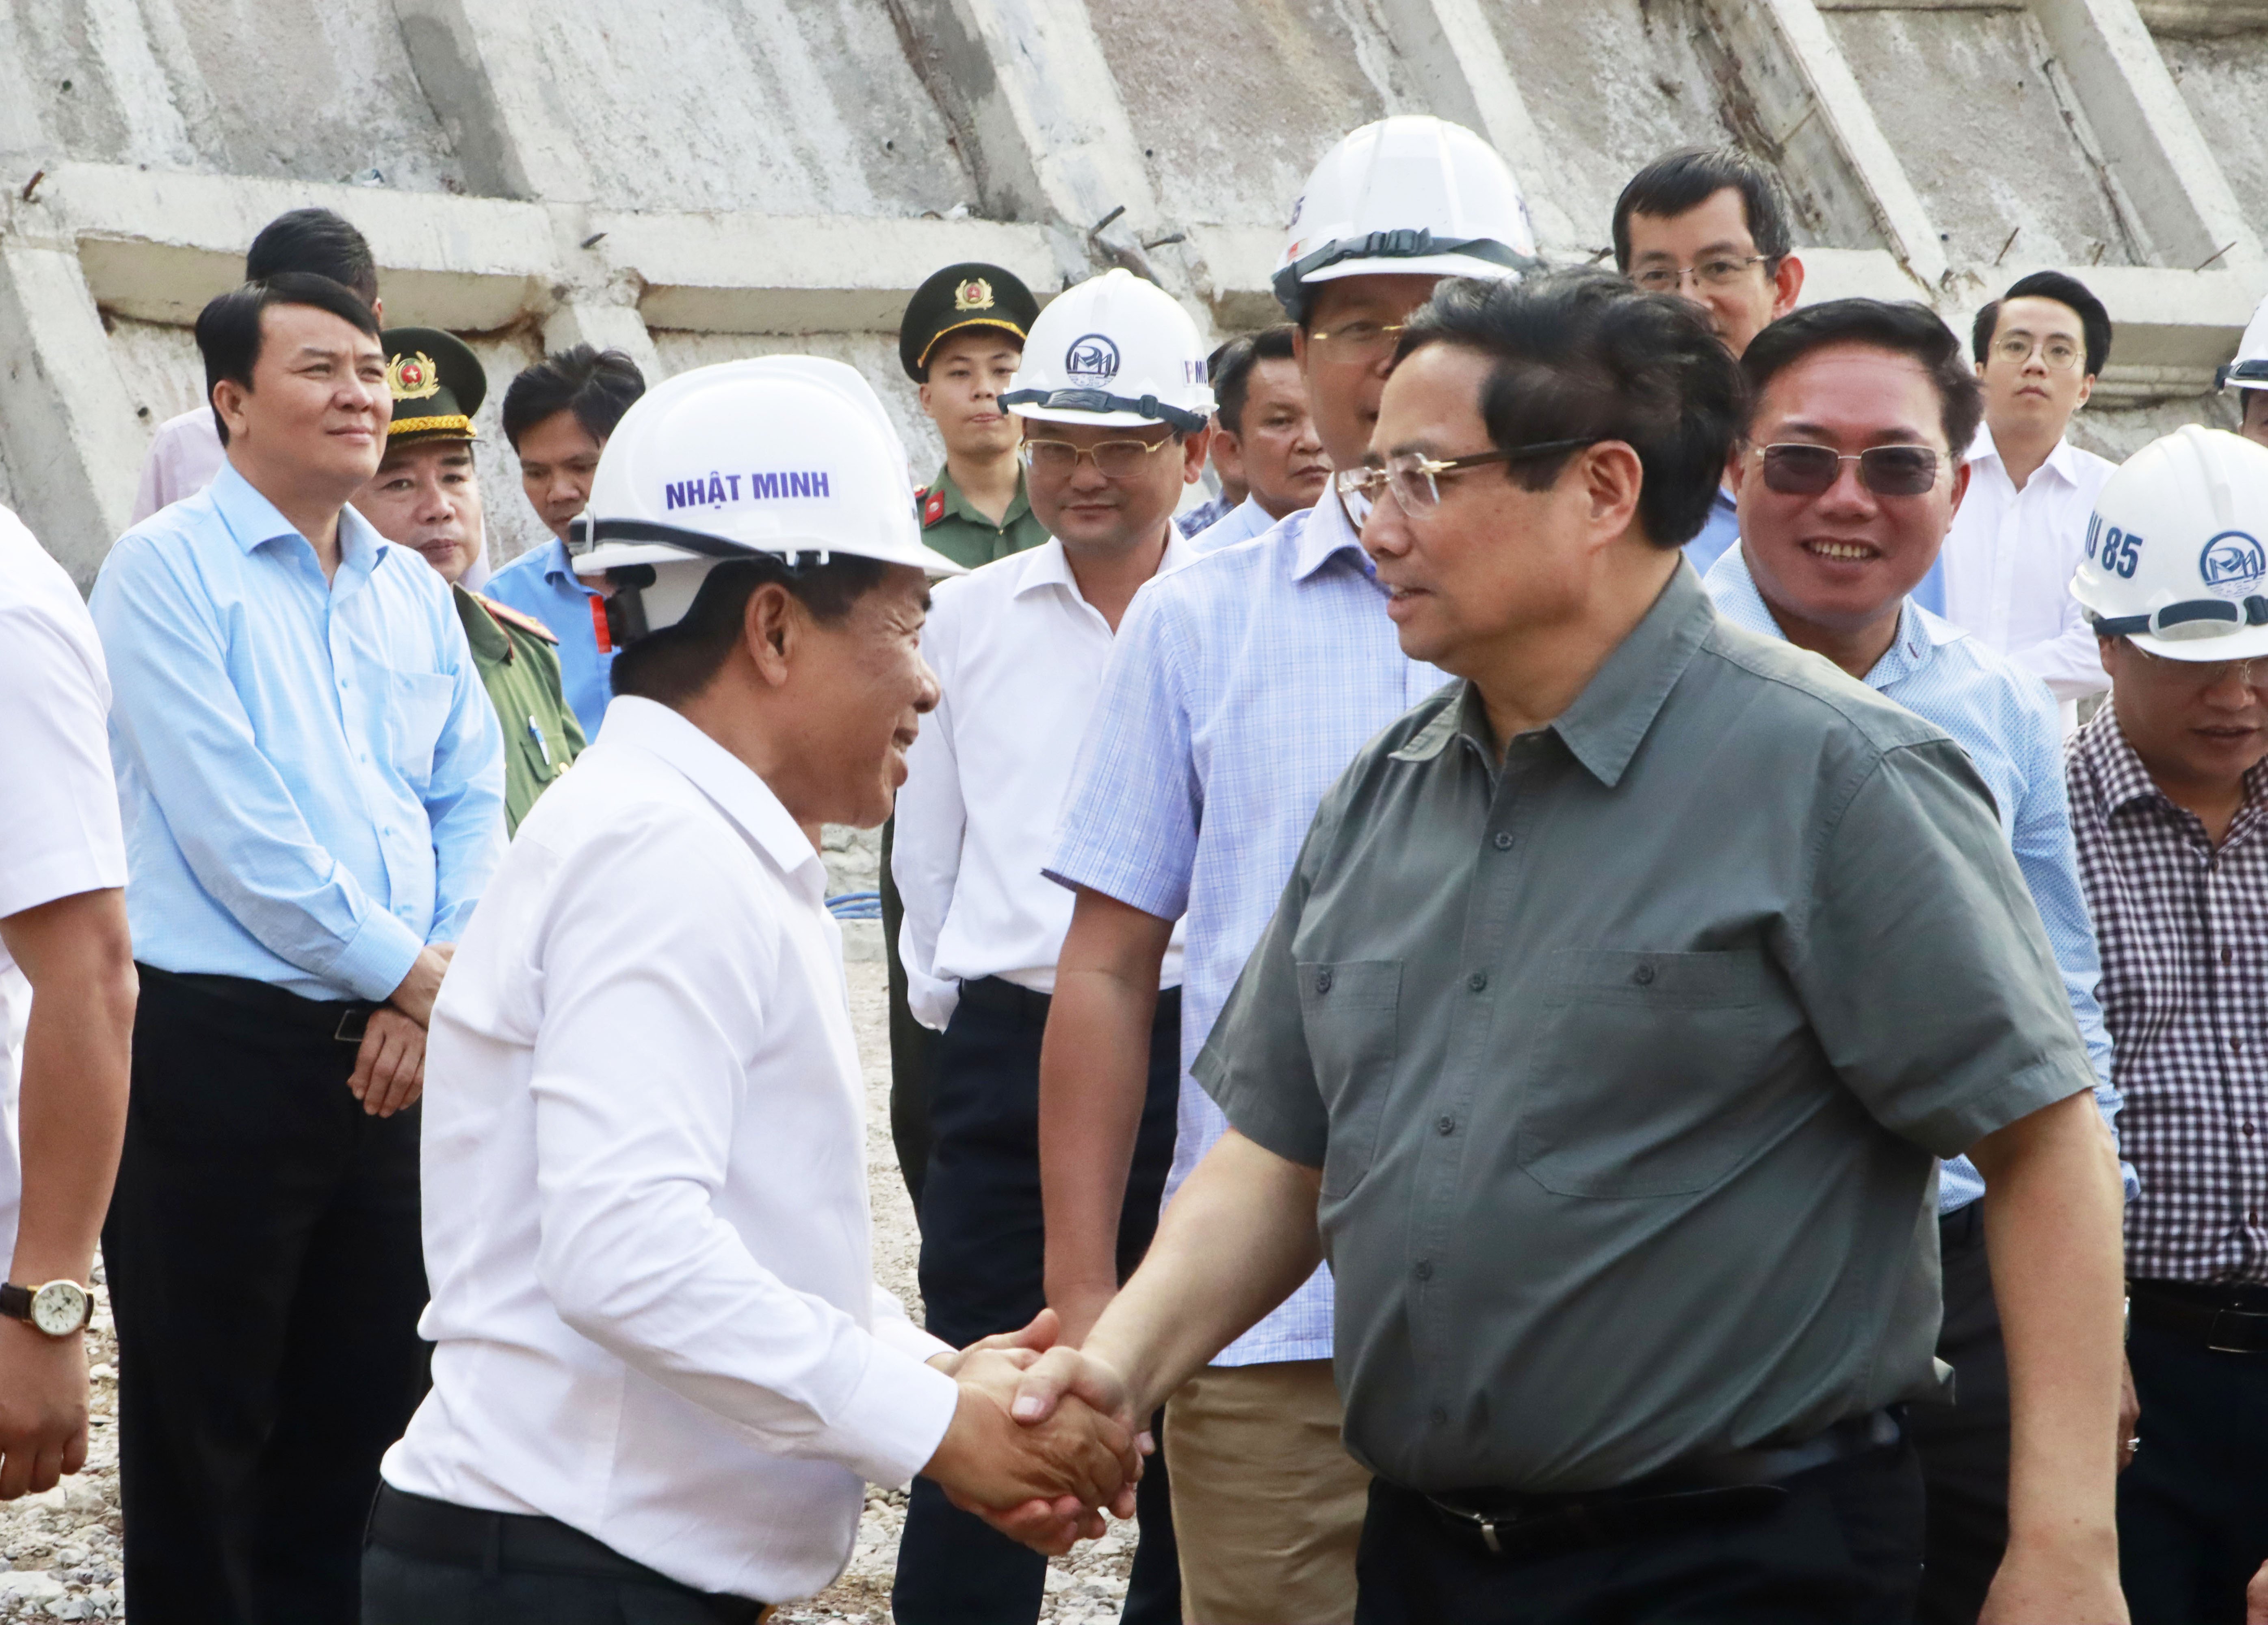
(2060, 354)
(1114, 460)
(1414, 478)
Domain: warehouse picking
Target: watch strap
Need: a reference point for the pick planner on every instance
(16, 1302)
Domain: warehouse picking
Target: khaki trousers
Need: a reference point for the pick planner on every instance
(1268, 1505)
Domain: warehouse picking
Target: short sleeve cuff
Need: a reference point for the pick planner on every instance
(1950, 1131)
(1153, 892)
(376, 958)
(58, 876)
(895, 1418)
(1268, 1121)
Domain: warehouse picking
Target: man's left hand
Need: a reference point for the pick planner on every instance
(2129, 1414)
(389, 1070)
(42, 1408)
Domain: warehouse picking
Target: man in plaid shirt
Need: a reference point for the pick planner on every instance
(2169, 806)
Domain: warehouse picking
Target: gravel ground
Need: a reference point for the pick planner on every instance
(62, 1549)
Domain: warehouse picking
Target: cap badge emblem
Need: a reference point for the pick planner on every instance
(412, 377)
(1092, 357)
(975, 294)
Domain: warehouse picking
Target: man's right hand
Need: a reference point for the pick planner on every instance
(42, 1408)
(414, 998)
(389, 1071)
(1057, 1472)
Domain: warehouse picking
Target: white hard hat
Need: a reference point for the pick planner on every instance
(2175, 555)
(1408, 195)
(778, 457)
(1115, 351)
(2250, 370)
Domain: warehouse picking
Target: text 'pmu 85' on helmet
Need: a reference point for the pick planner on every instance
(2178, 548)
(1113, 350)
(1410, 195)
(786, 457)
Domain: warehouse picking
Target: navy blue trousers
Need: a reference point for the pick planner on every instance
(981, 1265)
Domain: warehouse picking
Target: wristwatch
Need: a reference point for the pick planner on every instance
(58, 1309)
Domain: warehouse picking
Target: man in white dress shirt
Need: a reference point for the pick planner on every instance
(1020, 647)
(67, 989)
(2021, 529)
(663, 1373)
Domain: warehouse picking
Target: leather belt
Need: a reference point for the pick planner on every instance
(342, 1020)
(1004, 997)
(1741, 1483)
(2227, 1320)
(498, 1543)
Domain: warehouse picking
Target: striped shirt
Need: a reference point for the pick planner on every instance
(2005, 720)
(1240, 686)
(2184, 932)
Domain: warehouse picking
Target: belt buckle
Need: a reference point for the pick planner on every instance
(2212, 1334)
(354, 1021)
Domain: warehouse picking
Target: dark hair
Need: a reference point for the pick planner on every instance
(1905, 328)
(1581, 354)
(228, 329)
(1688, 178)
(1230, 369)
(596, 386)
(2093, 319)
(316, 240)
(677, 663)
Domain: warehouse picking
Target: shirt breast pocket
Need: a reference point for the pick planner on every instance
(1645, 1071)
(418, 711)
(1350, 1010)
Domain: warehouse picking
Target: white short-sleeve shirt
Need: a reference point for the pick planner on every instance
(59, 829)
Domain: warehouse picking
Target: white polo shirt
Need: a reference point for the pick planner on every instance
(59, 826)
(1019, 655)
(644, 1171)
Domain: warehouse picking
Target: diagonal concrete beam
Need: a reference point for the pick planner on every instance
(479, 65)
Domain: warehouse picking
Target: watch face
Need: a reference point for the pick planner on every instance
(59, 1308)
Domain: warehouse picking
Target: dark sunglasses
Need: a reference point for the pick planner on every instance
(1797, 469)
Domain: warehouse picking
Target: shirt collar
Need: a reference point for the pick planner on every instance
(253, 521)
(959, 506)
(1603, 729)
(1326, 534)
(728, 780)
(2063, 461)
(1919, 634)
(1047, 565)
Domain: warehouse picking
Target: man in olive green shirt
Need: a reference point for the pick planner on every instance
(1604, 1039)
(425, 497)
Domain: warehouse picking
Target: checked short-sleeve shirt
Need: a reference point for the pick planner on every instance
(2184, 928)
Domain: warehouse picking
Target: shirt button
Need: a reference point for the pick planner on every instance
(1424, 1270)
(1503, 842)
(1440, 1417)
(1643, 975)
(2247, 1131)
(1322, 981)
(1478, 981)
(1448, 1125)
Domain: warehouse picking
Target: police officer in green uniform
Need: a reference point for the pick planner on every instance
(425, 497)
(962, 341)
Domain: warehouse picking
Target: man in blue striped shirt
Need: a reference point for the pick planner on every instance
(1847, 482)
(313, 783)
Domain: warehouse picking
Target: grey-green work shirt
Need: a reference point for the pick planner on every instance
(1626, 1066)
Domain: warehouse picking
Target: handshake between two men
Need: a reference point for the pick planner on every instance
(1043, 1440)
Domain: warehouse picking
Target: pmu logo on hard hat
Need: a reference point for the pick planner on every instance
(2233, 565)
(1092, 356)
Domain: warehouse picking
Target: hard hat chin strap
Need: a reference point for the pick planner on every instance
(1102, 400)
(2205, 617)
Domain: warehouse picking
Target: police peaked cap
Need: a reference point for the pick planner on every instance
(970, 295)
(436, 383)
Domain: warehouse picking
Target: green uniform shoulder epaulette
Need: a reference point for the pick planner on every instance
(513, 617)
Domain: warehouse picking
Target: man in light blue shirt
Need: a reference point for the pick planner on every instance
(313, 783)
(557, 414)
(1265, 441)
(1846, 483)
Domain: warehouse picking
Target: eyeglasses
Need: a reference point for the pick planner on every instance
(1413, 477)
(1709, 274)
(2061, 355)
(2251, 673)
(1113, 459)
(1356, 338)
(1797, 468)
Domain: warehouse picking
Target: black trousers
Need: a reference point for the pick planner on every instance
(1964, 1446)
(2194, 1508)
(982, 1266)
(266, 1270)
(913, 1047)
(1843, 1548)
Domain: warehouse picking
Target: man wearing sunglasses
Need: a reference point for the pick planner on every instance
(2009, 555)
(1018, 648)
(2169, 801)
(1621, 1000)
(1846, 483)
(1239, 689)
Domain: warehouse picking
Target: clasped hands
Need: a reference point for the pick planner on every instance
(1042, 1441)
